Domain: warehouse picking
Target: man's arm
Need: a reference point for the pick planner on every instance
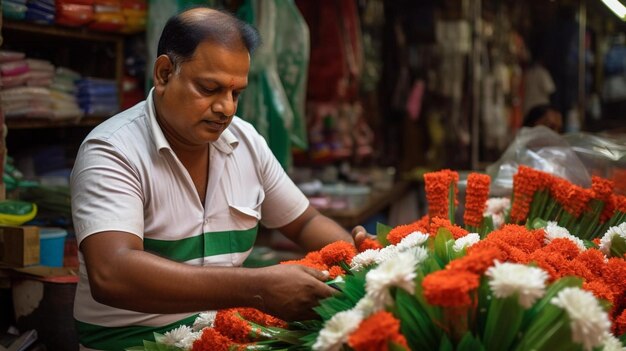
(312, 231)
(122, 275)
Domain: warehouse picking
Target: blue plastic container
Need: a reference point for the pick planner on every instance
(52, 246)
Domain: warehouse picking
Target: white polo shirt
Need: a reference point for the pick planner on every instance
(127, 178)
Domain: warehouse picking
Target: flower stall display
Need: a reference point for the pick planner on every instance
(544, 270)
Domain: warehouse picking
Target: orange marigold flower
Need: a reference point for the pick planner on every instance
(437, 186)
(572, 197)
(593, 259)
(614, 273)
(619, 327)
(338, 251)
(335, 271)
(211, 340)
(476, 197)
(525, 183)
(457, 232)
(398, 233)
(264, 319)
(375, 333)
(369, 244)
(423, 223)
(620, 203)
(518, 236)
(477, 261)
(450, 288)
(602, 188)
(564, 247)
(599, 290)
(229, 323)
(311, 260)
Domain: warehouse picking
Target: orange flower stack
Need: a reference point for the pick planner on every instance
(437, 185)
(476, 197)
(526, 182)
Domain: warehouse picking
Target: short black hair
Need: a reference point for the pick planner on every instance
(183, 33)
(535, 114)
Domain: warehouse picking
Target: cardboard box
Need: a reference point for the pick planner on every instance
(19, 246)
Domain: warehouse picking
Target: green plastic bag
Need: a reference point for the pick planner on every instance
(275, 97)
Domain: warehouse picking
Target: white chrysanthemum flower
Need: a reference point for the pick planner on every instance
(182, 337)
(387, 253)
(507, 279)
(553, 231)
(398, 271)
(497, 205)
(364, 259)
(367, 306)
(466, 241)
(337, 329)
(611, 343)
(605, 242)
(204, 319)
(412, 240)
(496, 208)
(588, 321)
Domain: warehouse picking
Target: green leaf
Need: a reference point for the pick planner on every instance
(486, 227)
(552, 290)
(451, 202)
(504, 319)
(538, 223)
(150, 345)
(392, 346)
(135, 348)
(381, 233)
(441, 245)
(446, 344)
(470, 343)
(618, 246)
(415, 323)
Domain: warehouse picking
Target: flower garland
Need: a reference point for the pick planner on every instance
(518, 277)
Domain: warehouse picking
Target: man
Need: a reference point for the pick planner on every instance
(167, 197)
(545, 115)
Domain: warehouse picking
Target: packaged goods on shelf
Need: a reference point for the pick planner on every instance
(98, 96)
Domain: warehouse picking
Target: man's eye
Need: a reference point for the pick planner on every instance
(206, 90)
(236, 94)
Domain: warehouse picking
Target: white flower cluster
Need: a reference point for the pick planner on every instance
(465, 241)
(182, 337)
(508, 279)
(588, 321)
(605, 242)
(497, 208)
(337, 329)
(372, 257)
(553, 231)
(396, 268)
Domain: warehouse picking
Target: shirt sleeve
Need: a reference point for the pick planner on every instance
(106, 192)
(284, 202)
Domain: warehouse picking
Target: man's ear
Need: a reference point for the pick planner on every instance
(163, 70)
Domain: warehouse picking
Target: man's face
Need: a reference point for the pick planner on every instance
(197, 103)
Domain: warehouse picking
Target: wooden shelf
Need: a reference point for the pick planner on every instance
(32, 123)
(67, 32)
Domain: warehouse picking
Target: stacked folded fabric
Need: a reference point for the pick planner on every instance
(40, 11)
(35, 88)
(98, 96)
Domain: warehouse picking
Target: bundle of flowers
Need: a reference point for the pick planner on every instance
(518, 277)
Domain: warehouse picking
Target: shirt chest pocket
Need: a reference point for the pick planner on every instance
(246, 209)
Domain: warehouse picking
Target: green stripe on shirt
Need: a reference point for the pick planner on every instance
(119, 338)
(204, 245)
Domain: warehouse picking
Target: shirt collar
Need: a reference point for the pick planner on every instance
(226, 143)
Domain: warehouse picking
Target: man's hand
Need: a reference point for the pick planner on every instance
(291, 291)
(358, 235)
